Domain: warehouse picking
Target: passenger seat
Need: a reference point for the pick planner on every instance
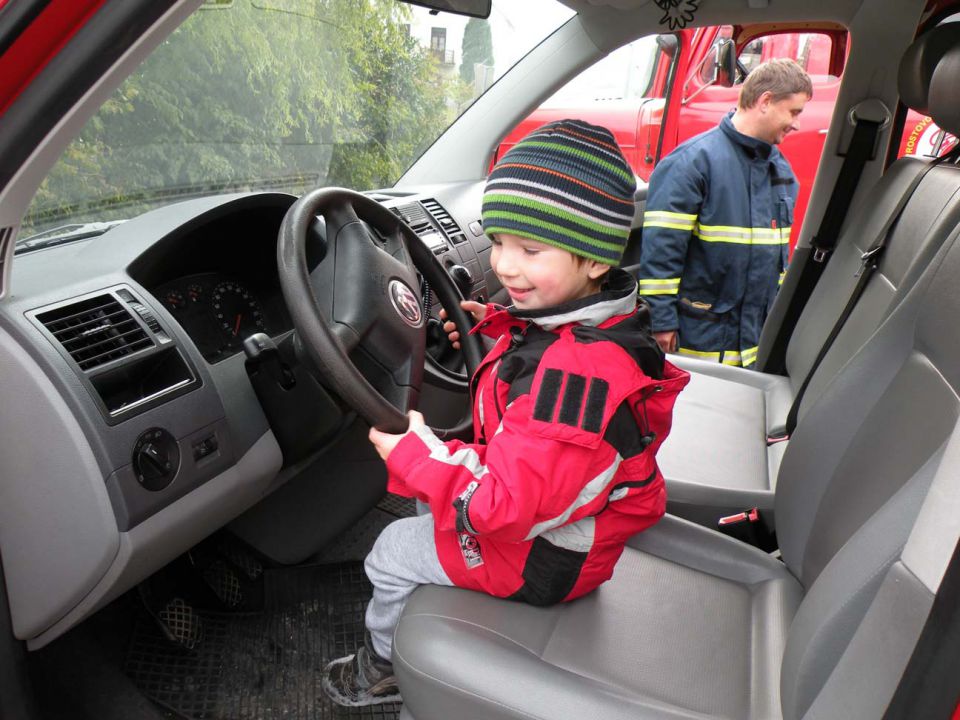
(718, 460)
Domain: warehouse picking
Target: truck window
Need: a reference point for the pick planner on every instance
(812, 52)
(624, 74)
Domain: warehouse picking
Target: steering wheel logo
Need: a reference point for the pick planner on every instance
(405, 303)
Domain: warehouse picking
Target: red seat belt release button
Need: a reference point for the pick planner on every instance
(751, 515)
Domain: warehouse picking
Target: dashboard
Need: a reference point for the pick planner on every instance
(142, 427)
(218, 311)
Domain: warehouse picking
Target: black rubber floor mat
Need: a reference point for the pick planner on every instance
(398, 505)
(255, 666)
(357, 541)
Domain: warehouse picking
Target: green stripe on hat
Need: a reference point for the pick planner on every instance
(551, 209)
(563, 229)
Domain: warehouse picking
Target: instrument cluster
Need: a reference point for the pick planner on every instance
(219, 312)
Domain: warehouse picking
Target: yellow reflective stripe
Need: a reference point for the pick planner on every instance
(738, 229)
(782, 276)
(741, 240)
(667, 215)
(731, 357)
(727, 357)
(659, 291)
(670, 225)
(671, 220)
(659, 281)
(742, 235)
(714, 356)
(742, 229)
(659, 286)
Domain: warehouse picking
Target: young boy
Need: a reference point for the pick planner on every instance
(569, 408)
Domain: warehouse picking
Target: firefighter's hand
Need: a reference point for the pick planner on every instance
(667, 340)
(477, 310)
(386, 442)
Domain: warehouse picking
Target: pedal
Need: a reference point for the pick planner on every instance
(243, 560)
(224, 583)
(181, 623)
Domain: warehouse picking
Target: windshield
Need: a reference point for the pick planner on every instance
(285, 95)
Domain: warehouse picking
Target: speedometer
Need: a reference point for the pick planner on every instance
(237, 310)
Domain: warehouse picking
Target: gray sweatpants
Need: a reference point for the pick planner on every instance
(403, 558)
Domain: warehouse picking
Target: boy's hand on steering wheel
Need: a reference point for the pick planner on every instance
(386, 442)
(477, 310)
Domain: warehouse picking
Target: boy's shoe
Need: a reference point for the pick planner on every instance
(361, 679)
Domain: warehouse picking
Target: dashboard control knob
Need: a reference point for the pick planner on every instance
(156, 459)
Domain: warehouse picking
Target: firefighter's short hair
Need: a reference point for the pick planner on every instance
(781, 77)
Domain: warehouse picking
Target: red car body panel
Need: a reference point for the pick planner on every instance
(39, 43)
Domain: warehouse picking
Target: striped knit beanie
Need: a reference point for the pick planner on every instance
(565, 184)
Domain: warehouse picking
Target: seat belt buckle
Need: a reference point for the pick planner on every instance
(774, 438)
(867, 258)
(751, 515)
(748, 527)
(820, 254)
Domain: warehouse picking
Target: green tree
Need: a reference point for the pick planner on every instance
(284, 94)
(477, 48)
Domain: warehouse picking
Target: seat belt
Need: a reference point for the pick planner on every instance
(928, 686)
(869, 262)
(862, 149)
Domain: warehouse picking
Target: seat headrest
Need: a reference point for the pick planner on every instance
(919, 62)
(944, 102)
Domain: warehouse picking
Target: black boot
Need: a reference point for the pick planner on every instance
(361, 679)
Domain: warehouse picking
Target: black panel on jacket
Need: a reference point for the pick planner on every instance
(549, 573)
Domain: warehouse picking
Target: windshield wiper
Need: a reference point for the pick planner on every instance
(64, 234)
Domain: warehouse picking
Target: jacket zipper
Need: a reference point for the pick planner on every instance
(516, 338)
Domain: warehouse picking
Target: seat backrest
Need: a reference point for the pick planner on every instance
(862, 459)
(927, 220)
(933, 209)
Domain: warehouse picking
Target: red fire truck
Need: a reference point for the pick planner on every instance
(660, 90)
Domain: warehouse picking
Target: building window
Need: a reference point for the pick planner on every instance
(438, 39)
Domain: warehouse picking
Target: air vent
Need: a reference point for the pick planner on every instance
(95, 331)
(414, 216)
(443, 218)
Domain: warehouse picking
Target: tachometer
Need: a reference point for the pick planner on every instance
(237, 311)
(174, 300)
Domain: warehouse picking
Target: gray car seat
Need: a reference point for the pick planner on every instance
(696, 625)
(718, 460)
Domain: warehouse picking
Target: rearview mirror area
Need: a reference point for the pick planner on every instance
(473, 8)
(718, 67)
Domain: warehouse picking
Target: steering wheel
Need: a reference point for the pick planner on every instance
(742, 69)
(363, 302)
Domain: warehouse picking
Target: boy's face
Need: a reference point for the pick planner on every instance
(538, 275)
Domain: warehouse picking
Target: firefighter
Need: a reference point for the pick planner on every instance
(716, 228)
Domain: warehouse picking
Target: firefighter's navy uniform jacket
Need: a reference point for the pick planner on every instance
(570, 407)
(716, 233)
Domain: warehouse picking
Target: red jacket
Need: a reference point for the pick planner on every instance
(570, 407)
